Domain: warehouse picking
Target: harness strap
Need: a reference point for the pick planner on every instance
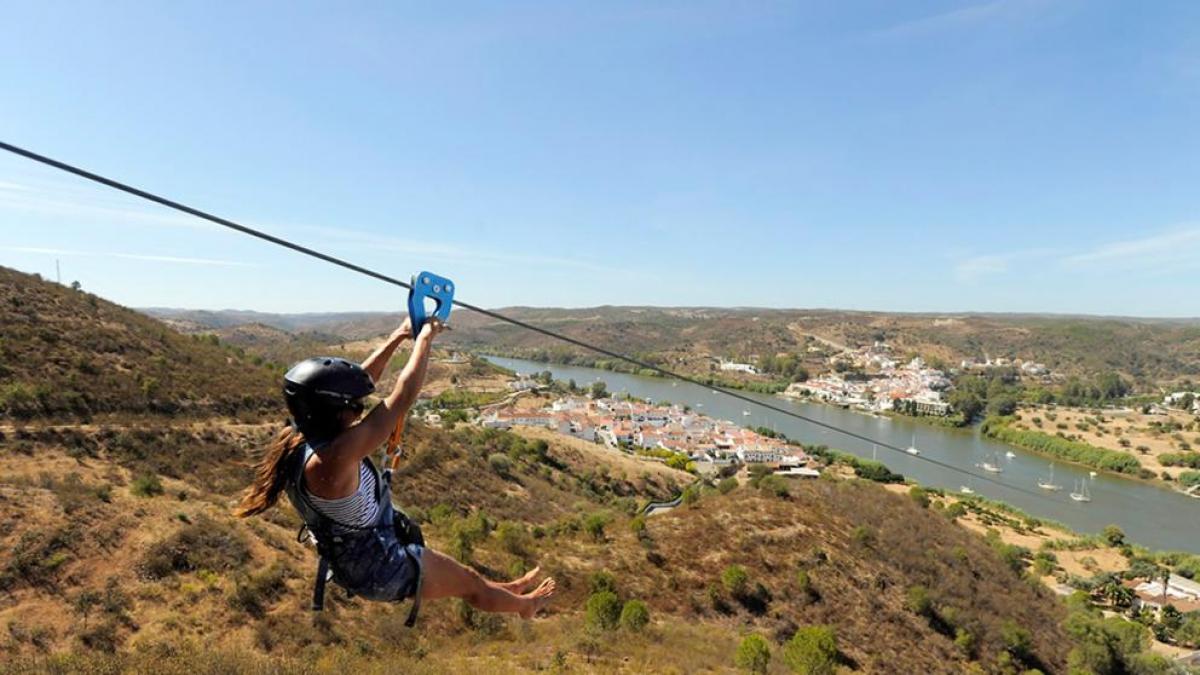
(416, 600)
(318, 600)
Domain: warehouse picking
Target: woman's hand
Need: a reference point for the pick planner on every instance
(432, 328)
(405, 330)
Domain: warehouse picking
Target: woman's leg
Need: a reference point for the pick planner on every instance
(444, 577)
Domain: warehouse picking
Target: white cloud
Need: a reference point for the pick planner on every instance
(67, 200)
(127, 256)
(967, 17)
(52, 201)
(975, 268)
(1153, 250)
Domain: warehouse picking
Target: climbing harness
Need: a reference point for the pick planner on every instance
(350, 554)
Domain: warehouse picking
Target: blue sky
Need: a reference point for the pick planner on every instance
(1013, 155)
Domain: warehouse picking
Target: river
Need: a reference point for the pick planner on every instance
(1152, 516)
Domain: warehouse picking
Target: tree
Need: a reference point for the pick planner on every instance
(1114, 535)
(1186, 401)
(753, 654)
(604, 610)
(812, 650)
(599, 389)
(967, 403)
(76, 286)
(635, 616)
(1004, 404)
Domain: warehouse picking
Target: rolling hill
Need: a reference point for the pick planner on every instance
(67, 353)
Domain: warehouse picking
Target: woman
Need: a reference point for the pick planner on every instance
(322, 462)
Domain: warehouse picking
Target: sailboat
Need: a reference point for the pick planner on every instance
(746, 413)
(912, 447)
(992, 465)
(1049, 484)
(1010, 454)
(966, 490)
(1083, 496)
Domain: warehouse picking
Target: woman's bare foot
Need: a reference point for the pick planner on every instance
(520, 586)
(537, 598)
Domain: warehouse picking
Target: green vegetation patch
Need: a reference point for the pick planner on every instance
(1072, 451)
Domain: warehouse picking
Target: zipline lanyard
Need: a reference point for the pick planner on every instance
(62, 166)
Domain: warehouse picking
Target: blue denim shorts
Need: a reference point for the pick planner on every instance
(377, 567)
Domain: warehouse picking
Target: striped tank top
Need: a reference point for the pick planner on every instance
(359, 509)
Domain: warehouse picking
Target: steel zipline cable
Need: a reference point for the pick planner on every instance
(116, 185)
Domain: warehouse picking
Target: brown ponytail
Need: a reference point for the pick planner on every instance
(271, 474)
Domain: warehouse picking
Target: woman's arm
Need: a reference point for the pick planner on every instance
(378, 359)
(363, 438)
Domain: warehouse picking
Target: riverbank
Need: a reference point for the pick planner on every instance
(1164, 456)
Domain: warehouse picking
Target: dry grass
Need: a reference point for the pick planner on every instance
(1129, 432)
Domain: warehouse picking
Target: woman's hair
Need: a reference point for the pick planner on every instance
(272, 474)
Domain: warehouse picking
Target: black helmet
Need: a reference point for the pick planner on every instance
(318, 389)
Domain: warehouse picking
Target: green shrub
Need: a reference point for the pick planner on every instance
(635, 616)
(1017, 640)
(803, 582)
(638, 524)
(500, 463)
(812, 651)
(918, 601)
(964, 641)
(1189, 459)
(775, 485)
(919, 495)
(876, 471)
(862, 535)
(146, 485)
(1189, 478)
(513, 538)
(736, 580)
(604, 610)
(252, 594)
(727, 485)
(1113, 535)
(594, 526)
(753, 654)
(601, 582)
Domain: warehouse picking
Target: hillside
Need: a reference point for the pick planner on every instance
(98, 560)
(69, 353)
